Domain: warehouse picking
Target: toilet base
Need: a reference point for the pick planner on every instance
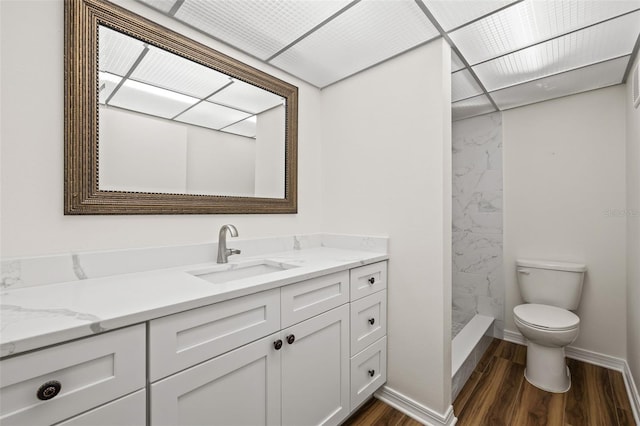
(547, 368)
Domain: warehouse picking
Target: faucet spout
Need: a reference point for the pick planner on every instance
(223, 251)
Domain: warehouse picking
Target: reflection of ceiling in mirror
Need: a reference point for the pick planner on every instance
(139, 77)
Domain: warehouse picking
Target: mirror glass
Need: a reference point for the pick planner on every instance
(158, 123)
(170, 125)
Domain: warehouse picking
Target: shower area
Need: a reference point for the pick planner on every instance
(478, 282)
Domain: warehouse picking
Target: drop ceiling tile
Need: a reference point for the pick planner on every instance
(162, 5)
(456, 62)
(588, 78)
(167, 70)
(530, 22)
(259, 27)
(602, 42)
(212, 116)
(150, 100)
(451, 14)
(366, 34)
(117, 52)
(471, 107)
(246, 97)
(243, 128)
(463, 86)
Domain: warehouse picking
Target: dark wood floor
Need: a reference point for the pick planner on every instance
(498, 394)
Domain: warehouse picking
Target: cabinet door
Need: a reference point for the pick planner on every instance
(241, 387)
(128, 411)
(315, 370)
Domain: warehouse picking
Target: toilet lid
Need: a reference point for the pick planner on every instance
(546, 317)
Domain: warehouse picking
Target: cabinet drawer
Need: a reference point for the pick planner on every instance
(91, 372)
(179, 341)
(368, 320)
(368, 279)
(127, 411)
(368, 372)
(309, 298)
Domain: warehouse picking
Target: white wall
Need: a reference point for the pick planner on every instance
(141, 153)
(387, 159)
(270, 152)
(633, 233)
(564, 163)
(32, 93)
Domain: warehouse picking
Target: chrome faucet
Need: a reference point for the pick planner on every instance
(223, 251)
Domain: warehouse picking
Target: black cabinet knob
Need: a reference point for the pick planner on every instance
(49, 390)
(291, 338)
(277, 344)
(372, 373)
(372, 280)
(372, 321)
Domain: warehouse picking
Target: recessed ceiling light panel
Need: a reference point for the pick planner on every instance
(246, 97)
(588, 78)
(602, 42)
(212, 116)
(150, 100)
(259, 27)
(366, 34)
(530, 22)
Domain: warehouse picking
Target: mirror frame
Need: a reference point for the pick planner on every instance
(82, 195)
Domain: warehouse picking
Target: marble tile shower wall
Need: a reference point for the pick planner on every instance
(478, 282)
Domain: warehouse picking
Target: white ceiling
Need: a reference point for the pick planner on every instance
(505, 53)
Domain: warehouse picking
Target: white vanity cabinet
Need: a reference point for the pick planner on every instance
(57, 383)
(306, 353)
(229, 364)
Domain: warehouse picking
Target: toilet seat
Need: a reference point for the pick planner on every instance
(545, 317)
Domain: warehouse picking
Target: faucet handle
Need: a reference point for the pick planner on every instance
(233, 251)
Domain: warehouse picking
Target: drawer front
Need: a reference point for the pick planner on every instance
(179, 341)
(91, 372)
(127, 411)
(368, 279)
(368, 320)
(368, 372)
(309, 298)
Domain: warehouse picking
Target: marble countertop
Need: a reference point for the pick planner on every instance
(34, 317)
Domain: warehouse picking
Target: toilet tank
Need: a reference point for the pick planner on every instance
(550, 282)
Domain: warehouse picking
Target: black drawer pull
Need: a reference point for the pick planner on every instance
(372, 373)
(372, 280)
(291, 338)
(277, 344)
(49, 390)
(372, 321)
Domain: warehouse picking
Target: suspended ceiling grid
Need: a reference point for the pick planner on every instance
(505, 53)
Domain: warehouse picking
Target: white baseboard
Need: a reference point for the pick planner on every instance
(414, 409)
(602, 360)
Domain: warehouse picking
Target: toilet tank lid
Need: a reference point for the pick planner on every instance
(552, 264)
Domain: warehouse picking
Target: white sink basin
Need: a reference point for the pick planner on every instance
(232, 272)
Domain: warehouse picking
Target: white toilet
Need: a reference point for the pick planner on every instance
(550, 289)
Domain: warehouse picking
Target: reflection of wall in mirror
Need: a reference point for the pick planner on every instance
(270, 152)
(142, 153)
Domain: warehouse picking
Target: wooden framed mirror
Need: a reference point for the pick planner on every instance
(156, 123)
